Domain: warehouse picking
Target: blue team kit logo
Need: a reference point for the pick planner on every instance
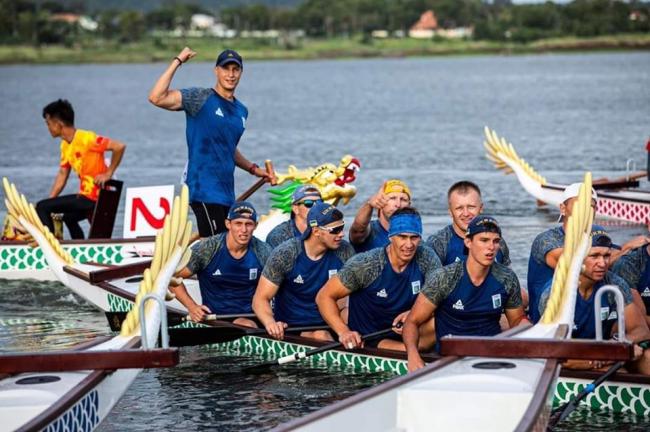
(496, 301)
(252, 274)
(415, 287)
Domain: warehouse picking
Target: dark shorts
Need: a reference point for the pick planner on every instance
(374, 342)
(210, 218)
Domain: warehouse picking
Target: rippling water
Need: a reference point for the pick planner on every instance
(417, 119)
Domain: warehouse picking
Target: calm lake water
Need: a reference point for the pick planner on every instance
(419, 119)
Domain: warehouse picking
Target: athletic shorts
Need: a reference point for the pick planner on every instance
(210, 218)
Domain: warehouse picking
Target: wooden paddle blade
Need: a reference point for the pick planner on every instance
(180, 337)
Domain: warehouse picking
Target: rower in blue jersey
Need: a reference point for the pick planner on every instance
(366, 234)
(382, 285)
(547, 249)
(467, 297)
(297, 269)
(465, 203)
(634, 268)
(303, 198)
(594, 275)
(228, 266)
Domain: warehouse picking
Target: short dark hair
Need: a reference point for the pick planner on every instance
(463, 187)
(61, 110)
(406, 210)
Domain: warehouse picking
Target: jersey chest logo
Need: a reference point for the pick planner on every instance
(219, 112)
(459, 305)
(415, 287)
(217, 273)
(252, 274)
(646, 292)
(331, 272)
(604, 313)
(299, 280)
(496, 301)
(382, 293)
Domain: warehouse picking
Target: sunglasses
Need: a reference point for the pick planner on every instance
(333, 230)
(308, 203)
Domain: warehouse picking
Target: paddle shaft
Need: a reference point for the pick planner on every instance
(115, 319)
(179, 337)
(568, 408)
(258, 184)
(303, 354)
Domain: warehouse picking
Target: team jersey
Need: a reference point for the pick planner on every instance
(85, 156)
(634, 268)
(539, 273)
(283, 232)
(450, 247)
(584, 326)
(214, 127)
(463, 309)
(299, 278)
(227, 284)
(378, 292)
(377, 237)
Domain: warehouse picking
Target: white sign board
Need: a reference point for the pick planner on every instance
(145, 209)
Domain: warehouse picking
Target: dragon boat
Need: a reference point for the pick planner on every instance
(18, 260)
(506, 382)
(75, 389)
(617, 199)
(113, 291)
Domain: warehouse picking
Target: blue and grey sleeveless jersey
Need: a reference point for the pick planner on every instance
(283, 232)
(227, 284)
(378, 292)
(634, 268)
(377, 237)
(299, 279)
(539, 273)
(214, 127)
(583, 318)
(450, 247)
(463, 309)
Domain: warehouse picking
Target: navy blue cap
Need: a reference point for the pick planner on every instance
(600, 238)
(320, 215)
(304, 191)
(242, 209)
(482, 223)
(229, 56)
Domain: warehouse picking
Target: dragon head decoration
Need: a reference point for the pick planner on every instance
(333, 182)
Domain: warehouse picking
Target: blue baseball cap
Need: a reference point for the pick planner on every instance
(242, 210)
(481, 224)
(305, 191)
(229, 56)
(600, 238)
(320, 215)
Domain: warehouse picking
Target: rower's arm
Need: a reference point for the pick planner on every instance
(361, 225)
(117, 149)
(161, 95)
(196, 311)
(553, 256)
(246, 165)
(421, 312)
(635, 243)
(59, 181)
(516, 316)
(327, 298)
(636, 328)
(264, 293)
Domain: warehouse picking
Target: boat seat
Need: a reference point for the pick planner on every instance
(102, 219)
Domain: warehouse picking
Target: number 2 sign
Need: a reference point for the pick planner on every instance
(146, 208)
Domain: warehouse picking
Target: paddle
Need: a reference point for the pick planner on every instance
(115, 319)
(263, 367)
(258, 184)
(561, 413)
(179, 337)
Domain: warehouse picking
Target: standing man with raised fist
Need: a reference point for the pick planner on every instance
(216, 120)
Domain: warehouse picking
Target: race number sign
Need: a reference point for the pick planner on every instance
(146, 208)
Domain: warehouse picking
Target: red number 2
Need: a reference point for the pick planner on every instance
(139, 206)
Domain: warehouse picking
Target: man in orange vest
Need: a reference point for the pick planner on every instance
(83, 152)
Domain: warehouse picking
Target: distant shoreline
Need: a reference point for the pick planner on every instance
(161, 50)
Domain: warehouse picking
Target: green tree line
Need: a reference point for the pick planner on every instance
(26, 21)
